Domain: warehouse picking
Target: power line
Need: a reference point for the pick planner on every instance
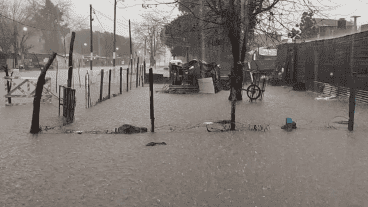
(118, 29)
(129, 6)
(126, 27)
(98, 20)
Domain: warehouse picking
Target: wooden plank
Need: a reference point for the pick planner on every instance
(16, 88)
(18, 96)
(47, 90)
(182, 87)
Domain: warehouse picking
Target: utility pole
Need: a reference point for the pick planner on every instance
(202, 33)
(15, 46)
(91, 19)
(154, 46)
(64, 51)
(145, 42)
(114, 49)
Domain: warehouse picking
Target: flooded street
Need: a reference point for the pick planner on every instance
(314, 165)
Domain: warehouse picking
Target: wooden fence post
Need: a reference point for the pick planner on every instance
(139, 76)
(121, 79)
(151, 100)
(85, 88)
(88, 89)
(8, 82)
(144, 70)
(136, 73)
(101, 84)
(57, 71)
(127, 78)
(142, 74)
(131, 73)
(109, 83)
(352, 102)
(35, 126)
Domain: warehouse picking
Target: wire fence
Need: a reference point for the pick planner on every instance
(109, 83)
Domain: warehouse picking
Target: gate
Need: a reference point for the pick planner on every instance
(29, 91)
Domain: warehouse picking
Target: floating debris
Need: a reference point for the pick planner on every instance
(155, 143)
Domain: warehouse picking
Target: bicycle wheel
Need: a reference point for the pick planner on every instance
(253, 92)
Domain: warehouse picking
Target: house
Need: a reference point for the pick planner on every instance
(7, 59)
(329, 27)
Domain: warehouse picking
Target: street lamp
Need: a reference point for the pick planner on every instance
(25, 29)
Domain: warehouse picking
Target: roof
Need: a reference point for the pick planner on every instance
(330, 22)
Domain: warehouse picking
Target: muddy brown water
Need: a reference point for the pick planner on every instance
(311, 166)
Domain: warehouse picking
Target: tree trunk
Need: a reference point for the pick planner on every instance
(236, 75)
(70, 68)
(35, 127)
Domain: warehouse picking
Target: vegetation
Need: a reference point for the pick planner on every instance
(148, 35)
(308, 27)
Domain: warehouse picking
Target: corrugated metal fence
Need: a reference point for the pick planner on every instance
(329, 61)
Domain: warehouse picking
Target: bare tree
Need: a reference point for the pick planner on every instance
(15, 14)
(148, 33)
(239, 21)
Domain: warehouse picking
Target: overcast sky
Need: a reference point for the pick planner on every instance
(346, 9)
(126, 9)
(130, 9)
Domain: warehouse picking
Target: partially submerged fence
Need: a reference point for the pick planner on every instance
(110, 83)
(23, 90)
(329, 61)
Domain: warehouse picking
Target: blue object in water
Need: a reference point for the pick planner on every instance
(289, 120)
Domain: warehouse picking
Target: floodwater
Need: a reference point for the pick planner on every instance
(314, 165)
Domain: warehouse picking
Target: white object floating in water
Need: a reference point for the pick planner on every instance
(326, 98)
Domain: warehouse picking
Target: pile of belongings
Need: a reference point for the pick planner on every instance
(197, 69)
